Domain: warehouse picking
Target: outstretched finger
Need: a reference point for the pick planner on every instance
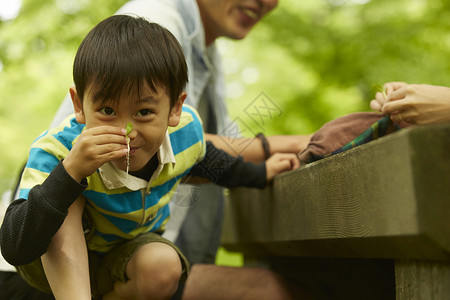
(375, 105)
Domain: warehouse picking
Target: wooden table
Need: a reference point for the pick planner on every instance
(369, 223)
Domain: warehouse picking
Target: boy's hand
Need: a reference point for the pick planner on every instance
(94, 147)
(281, 162)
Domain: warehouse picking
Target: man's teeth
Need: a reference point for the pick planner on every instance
(250, 13)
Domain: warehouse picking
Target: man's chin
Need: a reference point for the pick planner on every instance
(239, 35)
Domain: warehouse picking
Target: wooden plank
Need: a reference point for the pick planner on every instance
(386, 199)
(422, 280)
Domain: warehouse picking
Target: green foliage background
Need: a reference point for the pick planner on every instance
(316, 59)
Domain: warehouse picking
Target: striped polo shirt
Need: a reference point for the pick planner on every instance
(119, 205)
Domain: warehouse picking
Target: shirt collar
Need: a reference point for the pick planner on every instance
(165, 153)
(114, 178)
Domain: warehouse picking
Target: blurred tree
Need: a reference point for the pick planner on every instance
(319, 59)
(36, 55)
(313, 60)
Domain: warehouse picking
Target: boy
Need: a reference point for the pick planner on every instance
(126, 70)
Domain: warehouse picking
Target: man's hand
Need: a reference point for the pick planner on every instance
(94, 147)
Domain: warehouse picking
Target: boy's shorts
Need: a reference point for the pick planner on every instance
(104, 270)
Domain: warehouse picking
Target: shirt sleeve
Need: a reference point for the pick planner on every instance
(229, 171)
(29, 224)
(164, 13)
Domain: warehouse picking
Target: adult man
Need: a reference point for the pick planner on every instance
(197, 25)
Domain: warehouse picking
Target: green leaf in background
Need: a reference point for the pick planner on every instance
(379, 88)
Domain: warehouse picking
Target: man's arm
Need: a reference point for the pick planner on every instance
(66, 260)
(251, 149)
(29, 225)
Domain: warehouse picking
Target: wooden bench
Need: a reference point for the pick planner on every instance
(369, 223)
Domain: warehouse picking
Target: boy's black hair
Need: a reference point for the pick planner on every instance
(121, 52)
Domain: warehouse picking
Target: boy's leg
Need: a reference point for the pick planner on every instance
(147, 264)
(153, 272)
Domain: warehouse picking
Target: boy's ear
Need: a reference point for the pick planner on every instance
(175, 113)
(77, 106)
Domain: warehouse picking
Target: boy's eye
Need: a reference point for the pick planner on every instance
(107, 111)
(144, 112)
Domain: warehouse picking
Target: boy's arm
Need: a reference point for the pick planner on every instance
(66, 260)
(229, 171)
(29, 225)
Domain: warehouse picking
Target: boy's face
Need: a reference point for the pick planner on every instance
(150, 115)
(232, 18)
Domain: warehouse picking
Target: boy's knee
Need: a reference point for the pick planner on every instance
(158, 275)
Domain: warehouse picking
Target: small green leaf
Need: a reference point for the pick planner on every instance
(379, 88)
(129, 127)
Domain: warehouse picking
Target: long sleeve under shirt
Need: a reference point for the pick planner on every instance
(29, 225)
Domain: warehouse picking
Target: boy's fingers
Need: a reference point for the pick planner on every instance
(289, 161)
(107, 130)
(285, 165)
(105, 135)
(295, 163)
(111, 139)
(116, 154)
(109, 148)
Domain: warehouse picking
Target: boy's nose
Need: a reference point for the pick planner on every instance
(131, 131)
(132, 134)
